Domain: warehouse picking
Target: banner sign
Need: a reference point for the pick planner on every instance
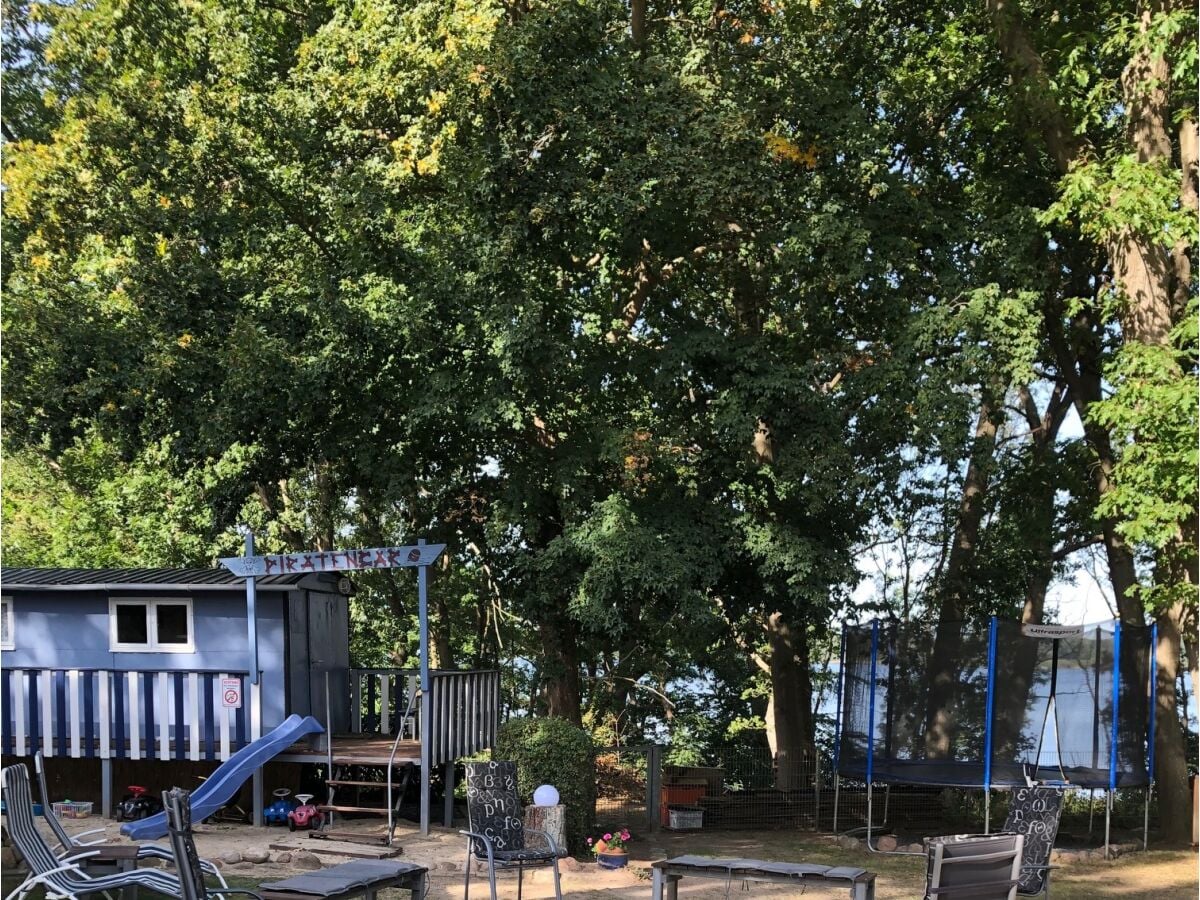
(333, 561)
(1053, 632)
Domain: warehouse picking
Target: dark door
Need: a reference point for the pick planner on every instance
(329, 659)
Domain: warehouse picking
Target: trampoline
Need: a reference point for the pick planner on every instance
(996, 704)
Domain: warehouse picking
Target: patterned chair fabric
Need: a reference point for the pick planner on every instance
(494, 809)
(1035, 813)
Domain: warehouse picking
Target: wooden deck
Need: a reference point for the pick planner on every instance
(356, 750)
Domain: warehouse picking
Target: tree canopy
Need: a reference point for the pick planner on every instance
(664, 316)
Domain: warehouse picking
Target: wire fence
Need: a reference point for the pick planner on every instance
(749, 788)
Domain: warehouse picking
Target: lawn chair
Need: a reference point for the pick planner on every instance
(973, 867)
(497, 835)
(178, 807)
(72, 845)
(62, 878)
(1034, 813)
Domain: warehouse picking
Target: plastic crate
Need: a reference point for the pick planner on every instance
(73, 809)
(684, 817)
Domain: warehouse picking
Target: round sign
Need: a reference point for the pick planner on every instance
(231, 696)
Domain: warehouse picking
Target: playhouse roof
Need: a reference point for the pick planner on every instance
(148, 579)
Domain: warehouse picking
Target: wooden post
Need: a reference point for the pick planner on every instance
(654, 785)
(1195, 810)
(105, 788)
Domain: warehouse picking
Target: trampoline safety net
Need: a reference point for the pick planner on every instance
(1046, 711)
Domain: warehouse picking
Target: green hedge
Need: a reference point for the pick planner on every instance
(553, 751)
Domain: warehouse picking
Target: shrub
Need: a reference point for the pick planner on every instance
(553, 751)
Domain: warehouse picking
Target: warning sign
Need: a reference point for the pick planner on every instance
(231, 693)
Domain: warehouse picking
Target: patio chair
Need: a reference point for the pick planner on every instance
(72, 845)
(62, 878)
(178, 807)
(497, 835)
(1034, 813)
(973, 867)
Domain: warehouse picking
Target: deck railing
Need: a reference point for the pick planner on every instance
(125, 713)
(465, 713)
(464, 706)
(379, 699)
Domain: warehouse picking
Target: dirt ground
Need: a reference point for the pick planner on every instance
(1157, 875)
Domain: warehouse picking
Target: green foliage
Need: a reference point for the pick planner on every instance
(553, 751)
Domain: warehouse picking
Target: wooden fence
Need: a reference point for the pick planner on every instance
(126, 714)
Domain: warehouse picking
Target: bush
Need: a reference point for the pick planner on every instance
(553, 751)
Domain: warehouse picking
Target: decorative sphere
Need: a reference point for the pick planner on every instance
(546, 795)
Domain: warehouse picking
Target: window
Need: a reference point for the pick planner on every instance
(157, 626)
(6, 623)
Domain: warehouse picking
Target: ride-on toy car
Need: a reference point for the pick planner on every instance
(277, 812)
(137, 804)
(305, 815)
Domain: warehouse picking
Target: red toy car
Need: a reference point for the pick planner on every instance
(305, 815)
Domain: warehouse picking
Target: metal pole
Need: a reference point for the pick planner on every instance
(251, 613)
(987, 728)
(837, 728)
(871, 728)
(427, 725)
(1152, 691)
(1146, 819)
(1091, 808)
(1108, 797)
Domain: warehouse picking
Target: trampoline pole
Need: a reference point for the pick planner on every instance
(887, 802)
(869, 816)
(1146, 819)
(1108, 797)
(837, 789)
(1091, 808)
(989, 712)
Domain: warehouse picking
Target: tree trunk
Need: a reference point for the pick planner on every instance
(943, 672)
(1174, 803)
(560, 669)
(791, 702)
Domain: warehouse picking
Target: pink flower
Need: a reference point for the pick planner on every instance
(625, 835)
(608, 837)
(589, 842)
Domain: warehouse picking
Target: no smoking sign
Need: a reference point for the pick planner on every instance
(231, 693)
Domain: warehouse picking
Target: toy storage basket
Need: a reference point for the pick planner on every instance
(73, 809)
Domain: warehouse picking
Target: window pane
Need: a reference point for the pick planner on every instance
(131, 624)
(172, 623)
(5, 634)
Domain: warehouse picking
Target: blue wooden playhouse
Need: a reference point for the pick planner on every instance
(160, 664)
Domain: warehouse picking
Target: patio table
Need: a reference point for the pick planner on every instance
(668, 872)
(359, 878)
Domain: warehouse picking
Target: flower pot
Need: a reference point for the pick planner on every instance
(612, 859)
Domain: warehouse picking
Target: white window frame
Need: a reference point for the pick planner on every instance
(10, 619)
(152, 645)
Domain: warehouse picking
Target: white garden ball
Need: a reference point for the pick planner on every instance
(546, 795)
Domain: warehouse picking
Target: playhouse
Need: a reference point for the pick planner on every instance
(169, 665)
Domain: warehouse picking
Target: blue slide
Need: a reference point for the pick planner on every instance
(221, 786)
